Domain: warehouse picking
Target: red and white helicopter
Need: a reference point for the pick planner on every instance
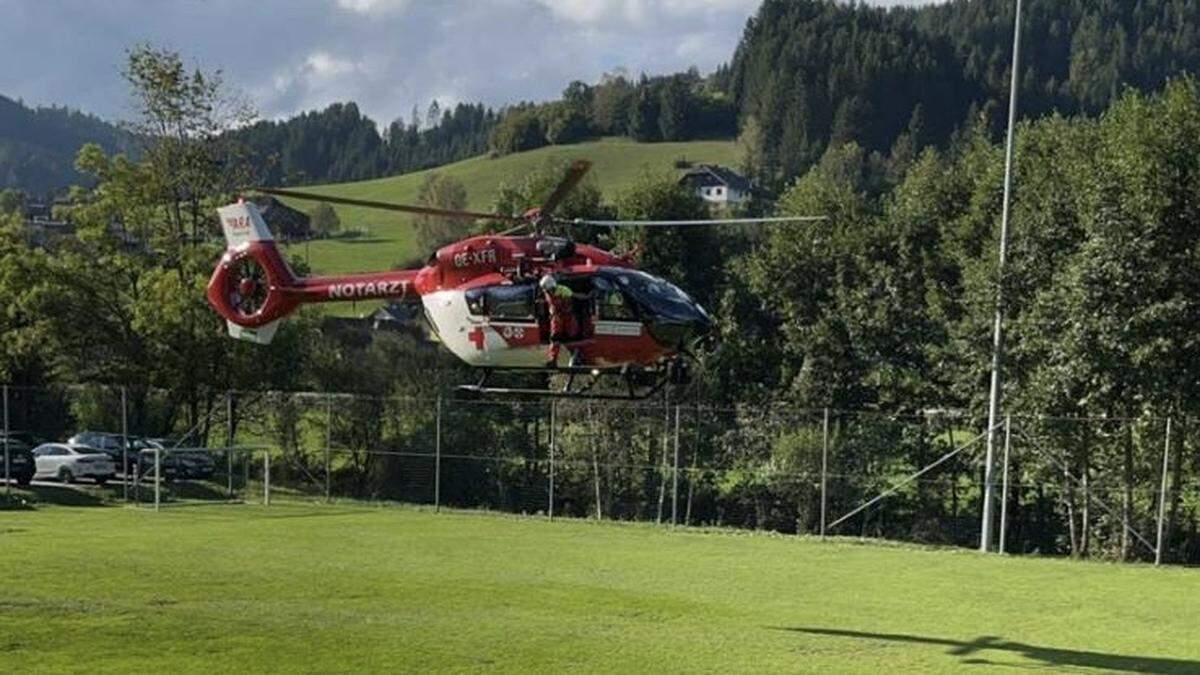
(482, 299)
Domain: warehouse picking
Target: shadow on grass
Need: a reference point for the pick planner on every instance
(67, 495)
(363, 240)
(197, 490)
(1045, 656)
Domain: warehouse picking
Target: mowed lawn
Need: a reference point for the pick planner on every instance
(304, 588)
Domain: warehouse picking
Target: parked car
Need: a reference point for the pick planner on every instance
(193, 462)
(30, 440)
(111, 444)
(68, 462)
(21, 466)
(170, 465)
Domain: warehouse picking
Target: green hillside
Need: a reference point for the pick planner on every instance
(385, 242)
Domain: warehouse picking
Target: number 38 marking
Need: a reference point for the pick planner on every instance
(510, 332)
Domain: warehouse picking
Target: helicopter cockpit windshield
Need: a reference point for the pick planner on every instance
(672, 316)
(656, 296)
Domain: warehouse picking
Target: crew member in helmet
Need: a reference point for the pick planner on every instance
(561, 305)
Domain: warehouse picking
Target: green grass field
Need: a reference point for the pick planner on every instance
(617, 163)
(310, 588)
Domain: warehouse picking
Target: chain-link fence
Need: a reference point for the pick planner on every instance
(1062, 486)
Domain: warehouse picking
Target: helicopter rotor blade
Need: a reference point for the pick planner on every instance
(575, 173)
(514, 231)
(696, 223)
(388, 206)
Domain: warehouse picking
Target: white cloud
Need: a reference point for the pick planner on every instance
(372, 6)
(324, 64)
(647, 13)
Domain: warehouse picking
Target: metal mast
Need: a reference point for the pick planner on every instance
(989, 490)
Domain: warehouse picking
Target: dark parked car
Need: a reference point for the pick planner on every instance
(110, 444)
(192, 462)
(168, 464)
(21, 466)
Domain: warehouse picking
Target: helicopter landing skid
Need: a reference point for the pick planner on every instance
(580, 383)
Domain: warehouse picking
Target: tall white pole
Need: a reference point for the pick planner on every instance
(1162, 495)
(989, 481)
(1004, 490)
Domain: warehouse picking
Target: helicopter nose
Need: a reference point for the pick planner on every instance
(682, 332)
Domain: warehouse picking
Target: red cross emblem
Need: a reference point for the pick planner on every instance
(476, 336)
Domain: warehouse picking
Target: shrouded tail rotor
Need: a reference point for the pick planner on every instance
(248, 286)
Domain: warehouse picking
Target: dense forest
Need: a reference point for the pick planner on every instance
(38, 145)
(811, 72)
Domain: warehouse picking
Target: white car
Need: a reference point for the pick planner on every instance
(68, 462)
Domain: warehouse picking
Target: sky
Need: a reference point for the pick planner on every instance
(287, 56)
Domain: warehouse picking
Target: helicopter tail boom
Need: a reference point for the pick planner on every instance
(253, 287)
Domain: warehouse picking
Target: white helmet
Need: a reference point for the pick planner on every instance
(548, 283)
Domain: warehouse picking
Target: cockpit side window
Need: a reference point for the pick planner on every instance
(611, 304)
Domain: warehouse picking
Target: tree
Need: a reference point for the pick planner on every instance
(518, 131)
(564, 124)
(534, 188)
(146, 299)
(689, 257)
(11, 201)
(325, 221)
(440, 191)
(674, 108)
(643, 115)
(183, 117)
(611, 100)
(749, 146)
(578, 95)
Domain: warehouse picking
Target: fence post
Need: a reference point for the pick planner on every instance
(157, 477)
(595, 460)
(7, 476)
(229, 443)
(437, 459)
(687, 514)
(266, 478)
(1162, 499)
(124, 443)
(247, 457)
(662, 458)
(328, 437)
(550, 507)
(675, 473)
(1004, 489)
(824, 469)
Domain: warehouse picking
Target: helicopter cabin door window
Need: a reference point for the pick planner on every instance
(513, 303)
